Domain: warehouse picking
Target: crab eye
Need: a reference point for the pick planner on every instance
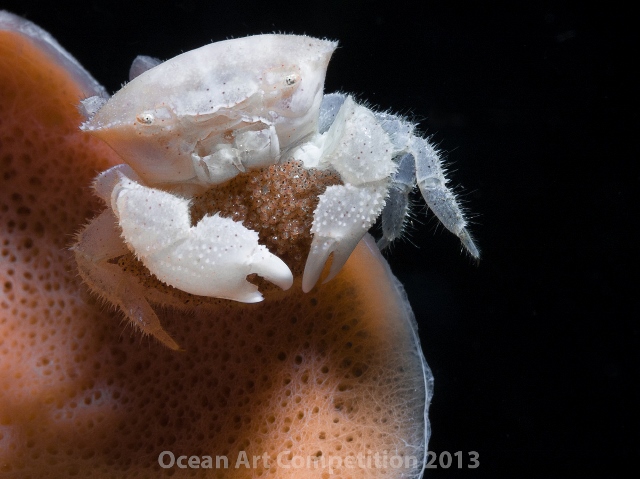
(281, 78)
(145, 118)
(291, 79)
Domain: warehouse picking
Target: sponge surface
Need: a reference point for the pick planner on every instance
(322, 376)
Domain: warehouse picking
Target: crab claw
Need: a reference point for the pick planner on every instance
(321, 248)
(343, 216)
(212, 258)
(215, 260)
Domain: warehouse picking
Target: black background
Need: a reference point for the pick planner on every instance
(534, 351)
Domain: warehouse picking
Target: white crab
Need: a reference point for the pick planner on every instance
(203, 117)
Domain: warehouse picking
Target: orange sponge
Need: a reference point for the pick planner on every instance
(301, 385)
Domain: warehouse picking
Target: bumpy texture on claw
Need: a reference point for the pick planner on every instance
(343, 216)
(212, 258)
(356, 147)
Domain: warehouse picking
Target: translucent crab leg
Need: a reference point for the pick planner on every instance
(98, 243)
(396, 208)
(440, 199)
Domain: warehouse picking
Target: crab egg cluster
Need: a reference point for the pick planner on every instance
(277, 202)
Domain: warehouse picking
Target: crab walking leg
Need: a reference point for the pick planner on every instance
(141, 64)
(212, 258)
(440, 199)
(329, 108)
(396, 208)
(98, 243)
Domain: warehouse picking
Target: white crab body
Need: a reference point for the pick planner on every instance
(203, 117)
(209, 113)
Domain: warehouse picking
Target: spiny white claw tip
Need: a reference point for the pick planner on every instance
(321, 248)
(273, 269)
(319, 252)
(341, 254)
